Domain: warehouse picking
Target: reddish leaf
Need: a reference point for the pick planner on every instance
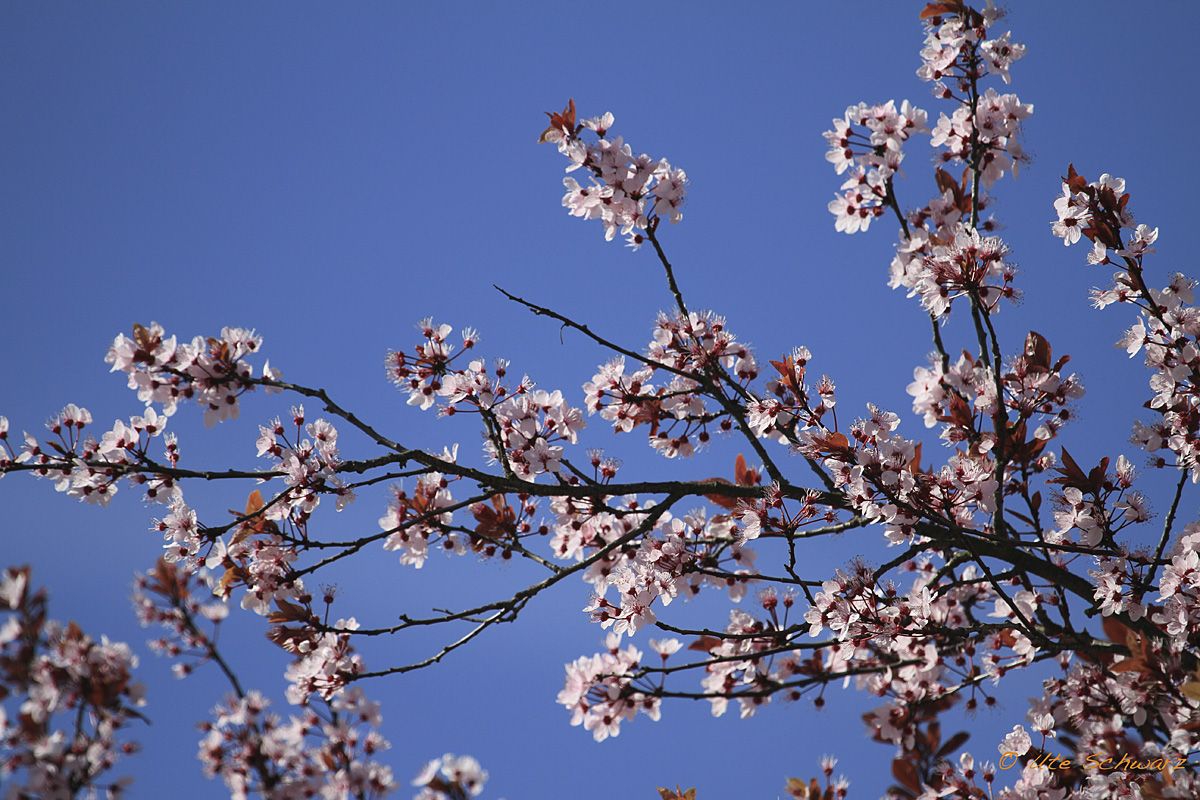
(1114, 629)
(953, 743)
(677, 794)
(938, 9)
(563, 121)
(288, 612)
(496, 521)
(914, 466)
(1075, 182)
(833, 443)
(1120, 633)
(1037, 352)
(791, 374)
(724, 501)
(906, 774)
(944, 181)
(1073, 474)
(743, 475)
(255, 521)
(933, 735)
(290, 639)
(960, 412)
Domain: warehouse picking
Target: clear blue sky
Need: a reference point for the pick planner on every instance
(329, 175)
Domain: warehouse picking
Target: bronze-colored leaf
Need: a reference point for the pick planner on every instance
(562, 121)
(938, 9)
(1037, 352)
(906, 774)
(724, 501)
(803, 790)
(705, 644)
(953, 743)
(1075, 182)
(288, 612)
(914, 466)
(833, 443)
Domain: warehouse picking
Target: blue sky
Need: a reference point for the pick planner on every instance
(329, 175)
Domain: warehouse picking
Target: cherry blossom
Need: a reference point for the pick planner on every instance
(451, 777)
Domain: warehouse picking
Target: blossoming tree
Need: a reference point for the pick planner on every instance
(997, 553)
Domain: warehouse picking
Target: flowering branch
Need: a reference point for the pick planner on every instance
(1002, 553)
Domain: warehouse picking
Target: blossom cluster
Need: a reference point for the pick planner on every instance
(451, 777)
(213, 372)
(72, 699)
(251, 750)
(526, 427)
(254, 751)
(413, 521)
(1169, 323)
(965, 266)
(690, 553)
(172, 599)
(1179, 589)
(690, 348)
(742, 667)
(628, 194)
(960, 46)
(791, 405)
(909, 630)
(600, 691)
(308, 459)
(868, 141)
(880, 476)
(88, 469)
(1037, 397)
(984, 133)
